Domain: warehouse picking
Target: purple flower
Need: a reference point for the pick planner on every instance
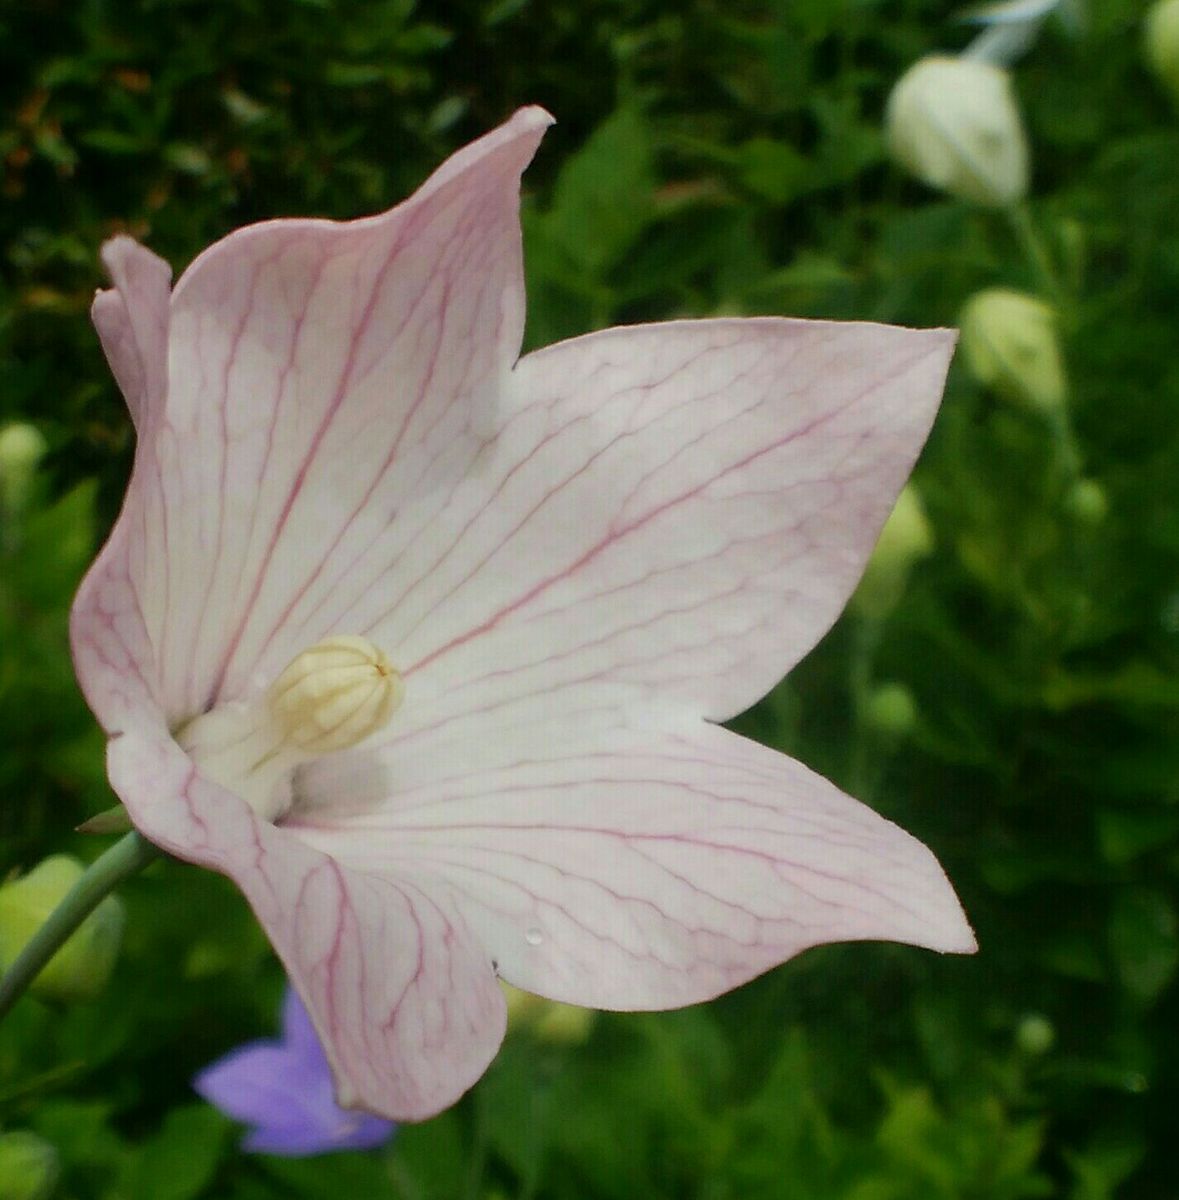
(282, 1088)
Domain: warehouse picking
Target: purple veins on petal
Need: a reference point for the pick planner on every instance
(580, 561)
(282, 1089)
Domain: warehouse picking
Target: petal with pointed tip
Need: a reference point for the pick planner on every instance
(132, 323)
(325, 379)
(644, 869)
(670, 518)
(401, 992)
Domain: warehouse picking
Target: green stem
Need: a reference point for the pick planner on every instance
(1037, 253)
(865, 643)
(127, 856)
(1067, 448)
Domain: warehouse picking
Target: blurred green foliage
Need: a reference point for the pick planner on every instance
(712, 156)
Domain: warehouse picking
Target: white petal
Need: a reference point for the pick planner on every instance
(672, 516)
(644, 869)
(325, 381)
(400, 990)
(132, 323)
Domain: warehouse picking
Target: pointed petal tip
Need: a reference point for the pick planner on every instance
(533, 116)
(953, 936)
(122, 254)
(938, 337)
(964, 941)
(969, 944)
(104, 300)
(115, 250)
(948, 337)
(949, 930)
(940, 343)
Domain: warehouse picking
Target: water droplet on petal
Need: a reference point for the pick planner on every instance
(534, 937)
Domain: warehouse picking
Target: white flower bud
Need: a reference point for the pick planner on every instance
(1162, 42)
(1010, 343)
(955, 124)
(335, 694)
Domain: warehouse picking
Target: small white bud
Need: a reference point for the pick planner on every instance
(336, 694)
(1011, 344)
(955, 124)
(1162, 42)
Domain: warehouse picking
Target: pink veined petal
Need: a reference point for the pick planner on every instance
(645, 869)
(132, 323)
(113, 659)
(400, 990)
(327, 382)
(671, 517)
(632, 529)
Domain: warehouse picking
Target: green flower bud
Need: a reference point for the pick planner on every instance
(1035, 1034)
(1162, 42)
(891, 710)
(905, 538)
(29, 1166)
(21, 449)
(547, 1020)
(81, 968)
(564, 1024)
(955, 124)
(1011, 345)
(1087, 501)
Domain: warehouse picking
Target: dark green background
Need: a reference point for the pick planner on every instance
(710, 157)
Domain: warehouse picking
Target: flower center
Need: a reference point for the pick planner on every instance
(331, 697)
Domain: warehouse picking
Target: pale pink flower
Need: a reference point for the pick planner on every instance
(579, 562)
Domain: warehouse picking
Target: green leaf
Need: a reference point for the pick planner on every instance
(1143, 939)
(180, 1160)
(1125, 834)
(603, 199)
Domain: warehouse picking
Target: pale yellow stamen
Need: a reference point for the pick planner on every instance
(334, 695)
(331, 697)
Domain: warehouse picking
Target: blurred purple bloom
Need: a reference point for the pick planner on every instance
(282, 1088)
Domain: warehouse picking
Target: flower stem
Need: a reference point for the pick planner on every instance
(127, 856)
(1036, 251)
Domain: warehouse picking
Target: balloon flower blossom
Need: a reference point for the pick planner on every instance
(426, 645)
(282, 1088)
